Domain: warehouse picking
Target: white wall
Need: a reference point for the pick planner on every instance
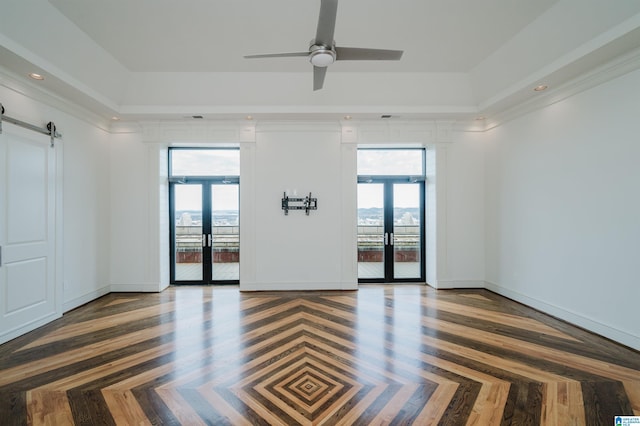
(460, 259)
(277, 252)
(86, 212)
(130, 214)
(85, 194)
(297, 251)
(563, 212)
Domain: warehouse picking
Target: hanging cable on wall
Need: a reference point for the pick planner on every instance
(50, 130)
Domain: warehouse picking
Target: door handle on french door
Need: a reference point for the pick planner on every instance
(391, 239)
(207, 240)
(386, 238)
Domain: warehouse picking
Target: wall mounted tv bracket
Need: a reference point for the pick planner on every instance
(306, 204)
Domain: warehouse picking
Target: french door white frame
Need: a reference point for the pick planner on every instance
(209, 276)
(389, 274)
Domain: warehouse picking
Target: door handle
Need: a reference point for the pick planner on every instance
(391, 239)
(207, 240)
(386, 238)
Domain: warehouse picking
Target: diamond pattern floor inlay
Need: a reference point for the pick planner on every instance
(380, 355)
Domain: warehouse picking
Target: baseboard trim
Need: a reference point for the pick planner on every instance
(26, 328)
(79, 301)
(296, 286)
(571, 317)
(451, 284)
(137, 288)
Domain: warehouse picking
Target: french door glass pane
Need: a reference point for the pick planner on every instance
(225, 247)
(390, 162)
(188, 241)
(406, 230)
(370, 230)
(205, 162)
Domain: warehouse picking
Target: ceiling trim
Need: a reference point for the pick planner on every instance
(618, 67)
(31, 90)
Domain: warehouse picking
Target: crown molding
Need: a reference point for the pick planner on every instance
(412, 132)
(169, 132)
(279, 126)
(31, 90)
(609, 71)
(418, 130)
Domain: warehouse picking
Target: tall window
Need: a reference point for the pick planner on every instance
(205, 215)
(391, 215)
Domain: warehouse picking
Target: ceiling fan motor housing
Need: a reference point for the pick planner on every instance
(321, 56)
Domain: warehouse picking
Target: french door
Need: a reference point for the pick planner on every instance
(391, 230)
(205, 231)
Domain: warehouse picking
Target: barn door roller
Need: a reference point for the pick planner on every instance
(49, 130)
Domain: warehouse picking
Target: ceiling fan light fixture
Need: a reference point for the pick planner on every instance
(323, 51)
(322, 57)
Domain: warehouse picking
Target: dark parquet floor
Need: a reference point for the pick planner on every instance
(380, 355)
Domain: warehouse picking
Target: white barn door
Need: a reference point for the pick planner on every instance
(29, 296)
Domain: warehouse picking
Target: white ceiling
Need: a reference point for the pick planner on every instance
(213, 36)
(170, 59)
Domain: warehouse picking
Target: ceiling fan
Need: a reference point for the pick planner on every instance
(323, 51)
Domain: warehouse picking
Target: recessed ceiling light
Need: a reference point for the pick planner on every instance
(249, 117)
(114, 118)
(541, 88)
(35, 76)
(480, 118)
(347, 117)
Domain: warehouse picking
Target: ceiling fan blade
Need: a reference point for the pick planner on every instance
(277, 55)
(326, 22)
(318, 77)
(363, 54)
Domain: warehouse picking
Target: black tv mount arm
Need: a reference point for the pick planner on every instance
(307, 203)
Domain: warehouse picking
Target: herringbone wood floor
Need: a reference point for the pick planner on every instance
(381, 355)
